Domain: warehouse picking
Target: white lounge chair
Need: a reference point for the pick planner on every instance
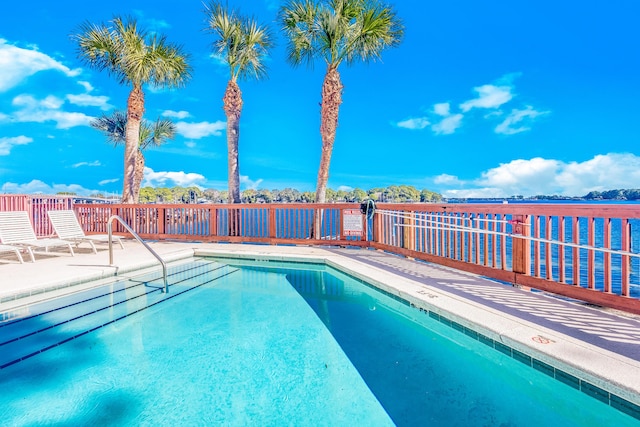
(16, 230)
(14, 249)
(67, 227)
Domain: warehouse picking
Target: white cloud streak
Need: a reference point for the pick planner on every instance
(86, 100)
(201, 129)
(47, 109)
(448, 125)
(176, 114)
(248, 183)
(414, 124)
(518, 121)
(108, 181)
(170, 179)
(94, 163)
(38, 187)
(18, 64)
(443, 121)
(489, 96)
(7, 143)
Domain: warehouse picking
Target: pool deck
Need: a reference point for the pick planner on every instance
(600, 347)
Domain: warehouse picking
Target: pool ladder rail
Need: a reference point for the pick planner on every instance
(139, 239)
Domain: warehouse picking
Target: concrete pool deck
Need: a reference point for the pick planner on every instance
(591, 345)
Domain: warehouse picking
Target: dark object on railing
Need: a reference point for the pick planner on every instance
(368, 208)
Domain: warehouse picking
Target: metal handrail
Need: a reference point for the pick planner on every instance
(139, 239)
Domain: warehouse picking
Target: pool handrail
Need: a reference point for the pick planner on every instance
(139, 239)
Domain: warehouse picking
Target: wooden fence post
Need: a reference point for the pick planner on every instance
(520, 248)
(409, 241)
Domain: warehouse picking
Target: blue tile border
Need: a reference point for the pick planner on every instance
(586, 387)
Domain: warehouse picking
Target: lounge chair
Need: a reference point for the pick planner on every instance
(68, 228)
(16, 230)
(14, 249)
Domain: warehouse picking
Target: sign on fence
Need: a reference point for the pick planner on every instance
(352, 222)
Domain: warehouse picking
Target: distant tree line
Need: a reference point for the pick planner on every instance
(391, 194)
(633, 194)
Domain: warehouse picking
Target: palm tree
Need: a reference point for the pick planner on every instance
(135, 57)
(336, 31)
(243, 44)
(151, 135)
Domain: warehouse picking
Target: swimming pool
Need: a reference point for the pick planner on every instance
(250, 344)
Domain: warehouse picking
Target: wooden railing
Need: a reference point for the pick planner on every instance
(37, 207)
(260, 223)
(588, 252)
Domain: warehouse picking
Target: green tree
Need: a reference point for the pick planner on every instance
(249, 196)
(358, 195)
(336, 31)
(147, 195)
(427, 196)
(243, 44)
(164, 195)
(136, 58)
(151, 135)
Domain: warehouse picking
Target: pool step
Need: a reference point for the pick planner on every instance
(45, 325)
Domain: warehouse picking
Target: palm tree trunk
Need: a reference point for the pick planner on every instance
(139, 175)
(233, 109)
(331, 100)
(135, 110)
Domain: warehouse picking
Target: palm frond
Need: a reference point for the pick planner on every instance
(133, 55)
(339, 30)
(242, 42)
(113, 126)
(157, 133)
(298, 19)
(151, 134)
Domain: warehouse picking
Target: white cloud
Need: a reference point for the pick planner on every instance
(603, 172)
(176, 114)
(108, 181)
(164, 179)
(249, 184)
(18, 64)
(442, 109)
(448, 125)
(86, 100)
(539, 176)
(416, 123)
(219, 60)
(47, 109)
(345, 188)
(190, 144)
(446, 179)
(201, 129)
(86, 85)
(37, 186)
(517, 121)
(489, 96)
(7, 143)
(94, 163)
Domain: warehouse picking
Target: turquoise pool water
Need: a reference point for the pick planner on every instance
(266, 344)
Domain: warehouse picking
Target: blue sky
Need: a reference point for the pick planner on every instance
(482, 99)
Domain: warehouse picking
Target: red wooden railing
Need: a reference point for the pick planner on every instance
(37, 207)
(588, 252)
